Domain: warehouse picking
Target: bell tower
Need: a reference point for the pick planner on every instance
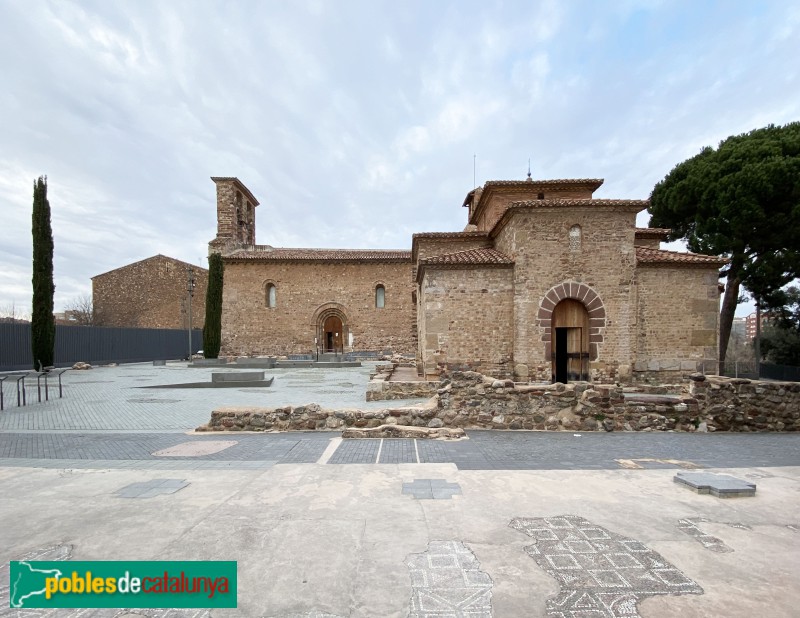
(236, 215)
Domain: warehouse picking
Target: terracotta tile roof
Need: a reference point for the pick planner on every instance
(265, 253)
(652, 232)
(556, 203)
(564, 183)
(475, 234)
(470, 256)
(659, 256)
(560, 182)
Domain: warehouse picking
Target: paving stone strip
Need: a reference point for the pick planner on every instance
(431, 489)
(446, 582)
(196, 448)
(600, 573)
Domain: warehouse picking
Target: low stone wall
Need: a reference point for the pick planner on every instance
(381, 388)
(386, 391)
(312, 416)
(471, 400)
(736, 404)
(707, 403)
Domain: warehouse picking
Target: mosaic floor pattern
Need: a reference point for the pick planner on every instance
(446, 581)
(601, 573)
(692, 528)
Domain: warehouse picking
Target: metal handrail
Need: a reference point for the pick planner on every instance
(39, 375)
(21, 379)
(2, 379)
(59, 374)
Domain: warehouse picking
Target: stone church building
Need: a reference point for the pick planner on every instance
(545, 283)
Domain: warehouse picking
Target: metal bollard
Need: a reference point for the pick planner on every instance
(2, 402)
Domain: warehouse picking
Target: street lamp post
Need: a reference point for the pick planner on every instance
(190, 283)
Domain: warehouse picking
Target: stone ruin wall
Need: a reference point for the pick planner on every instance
(472, 400)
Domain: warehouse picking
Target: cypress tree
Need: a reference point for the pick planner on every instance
(43, 329)
(212, 330)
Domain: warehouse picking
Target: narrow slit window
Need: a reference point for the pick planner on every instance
(272, 295)
(380, 297)
(575, 238)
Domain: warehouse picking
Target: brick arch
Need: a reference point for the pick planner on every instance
(585, 295)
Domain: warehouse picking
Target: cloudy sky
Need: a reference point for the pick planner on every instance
(354, 122)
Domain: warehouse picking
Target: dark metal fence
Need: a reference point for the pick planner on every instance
(740, 369)
(97, 345)
(784, 373)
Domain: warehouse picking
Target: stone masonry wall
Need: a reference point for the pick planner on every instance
(149, 294)
(678, 320)
(249, 327)
(382, 388)
(538, 242)
(236, 216)
(432, 246)
(468, 319)
(498, 202)
(472, 400)
(736, 404)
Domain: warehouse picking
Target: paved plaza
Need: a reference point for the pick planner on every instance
(500, 524)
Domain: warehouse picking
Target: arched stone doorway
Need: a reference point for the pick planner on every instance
(586, 312)
(570, 341)
(331, 329)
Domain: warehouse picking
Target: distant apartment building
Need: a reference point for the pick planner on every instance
(751, 324)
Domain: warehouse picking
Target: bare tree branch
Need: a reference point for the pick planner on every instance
(80, 311)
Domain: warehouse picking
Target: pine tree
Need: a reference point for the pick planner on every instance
(741, 201)
(212, 330)
(43, 329)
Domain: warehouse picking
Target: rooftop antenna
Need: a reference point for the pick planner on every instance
(529, 169)
(474, 165)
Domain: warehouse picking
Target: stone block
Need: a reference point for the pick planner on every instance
(719, 485)
(238, 376)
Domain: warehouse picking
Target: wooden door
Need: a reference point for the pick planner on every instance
(570, 341)
(332, 334)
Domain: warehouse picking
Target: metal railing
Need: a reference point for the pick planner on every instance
(740, 369)
(22, 388)
(784, 373)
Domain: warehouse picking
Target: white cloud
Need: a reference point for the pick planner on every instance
(355, 124)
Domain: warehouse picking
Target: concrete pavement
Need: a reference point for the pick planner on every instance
(336, 539)
(505, 524)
